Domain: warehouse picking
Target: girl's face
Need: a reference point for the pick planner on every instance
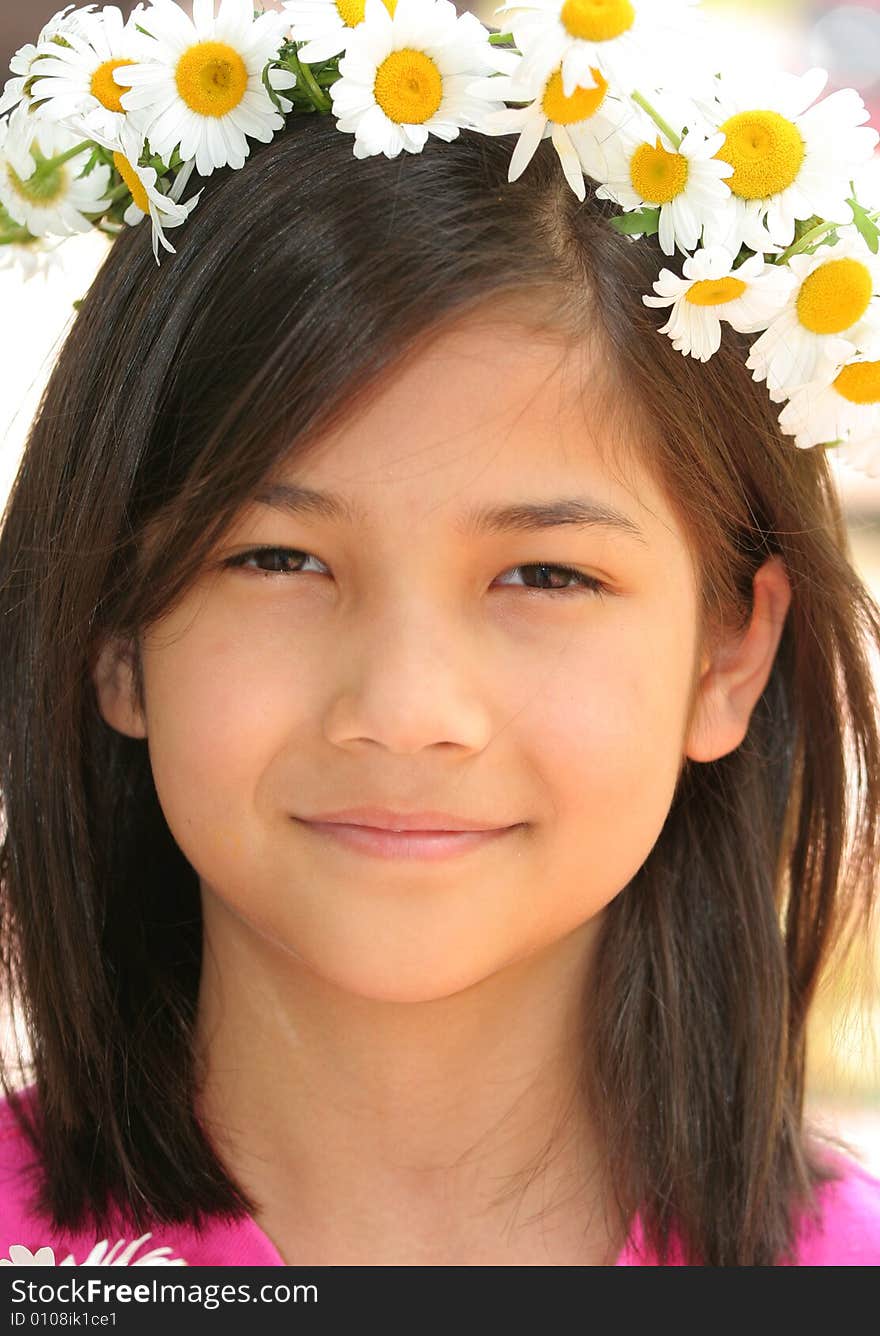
(404, 655)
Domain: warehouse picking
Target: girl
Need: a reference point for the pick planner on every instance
(379, 511)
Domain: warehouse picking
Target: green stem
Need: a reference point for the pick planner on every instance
(815, 234)
(641, 101)
(118, 192)
(16, 238)
(48, 164)
(500, 38)
(313, 88)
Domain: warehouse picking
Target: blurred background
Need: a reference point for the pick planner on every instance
(844, 1063)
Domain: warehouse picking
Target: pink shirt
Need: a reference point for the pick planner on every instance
(848, 1232)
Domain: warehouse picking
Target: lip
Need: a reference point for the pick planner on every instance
(425, 845)
(383, 818)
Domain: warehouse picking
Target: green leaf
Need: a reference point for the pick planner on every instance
(273, 94)
(745, 253)
(866, 225)
(830, 239)
(805, 225)
(97, 155)
(639, 222)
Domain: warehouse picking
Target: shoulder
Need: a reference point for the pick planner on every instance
(16, 1163)
(27, 1238)
(844, 1229)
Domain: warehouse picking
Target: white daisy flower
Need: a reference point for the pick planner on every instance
(687, 183)
(200, 85)
(19, 1255)
(581, 126)
(22, 64)
(791, 159)
(14, 94)
(164, 210)
(710, 291)
(325, 25)
(406, 76)
(622, 38)
(75, 82)
(867, 180)
(25, 256)
(21, 97)
(843, 408)
(22, 129)
(52, 201)
(833, 308)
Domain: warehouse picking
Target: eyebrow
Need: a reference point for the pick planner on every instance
(517, 517)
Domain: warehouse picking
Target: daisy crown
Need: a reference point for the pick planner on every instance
(764, 195)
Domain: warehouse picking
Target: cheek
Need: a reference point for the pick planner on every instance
(218, 708)
(608, 740)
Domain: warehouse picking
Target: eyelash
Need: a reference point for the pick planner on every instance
(589, 584)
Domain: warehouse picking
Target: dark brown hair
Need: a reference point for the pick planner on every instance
(296, 282)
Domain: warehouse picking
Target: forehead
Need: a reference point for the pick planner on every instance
(489, 413)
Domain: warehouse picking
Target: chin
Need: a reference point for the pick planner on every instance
(406, 977)
(413, 985)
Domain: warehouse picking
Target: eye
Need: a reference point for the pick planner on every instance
(586, 584)
(277, 557)
(269, 554)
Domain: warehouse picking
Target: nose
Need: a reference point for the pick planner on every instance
(407, 679)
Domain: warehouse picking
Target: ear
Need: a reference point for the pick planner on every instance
(113, 676)
(735, 675)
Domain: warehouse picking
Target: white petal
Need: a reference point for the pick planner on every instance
(571, 165)
(526, 146)
(667, 231)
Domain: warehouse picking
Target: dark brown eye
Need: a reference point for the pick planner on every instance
(546, 570)
(552, 578)
(276, 559)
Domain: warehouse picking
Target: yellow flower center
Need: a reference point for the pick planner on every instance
(583, 103)
(715, 291)
(765, 150)
(352, 11)
(835, 296)
(211, 78)
(105, 88)
(597, 20)
(408, 86)
(658, 176)
(43, 188)
(133, 181)
(859, 383)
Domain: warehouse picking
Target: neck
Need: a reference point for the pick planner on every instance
(442, 1132)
